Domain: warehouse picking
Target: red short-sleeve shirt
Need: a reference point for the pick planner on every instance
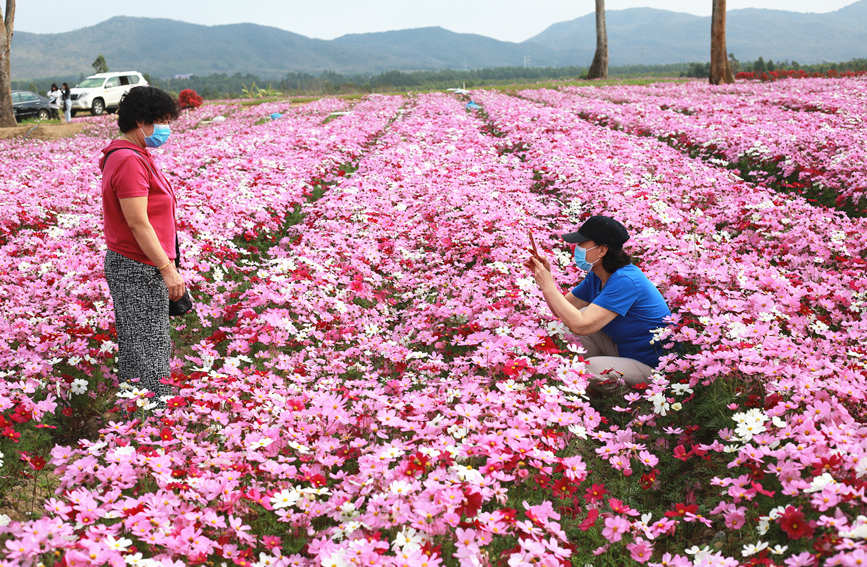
(131, 172)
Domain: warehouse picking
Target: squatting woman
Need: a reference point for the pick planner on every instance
(139, 219)
(613, 310)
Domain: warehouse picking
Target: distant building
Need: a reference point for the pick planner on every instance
(183, 77)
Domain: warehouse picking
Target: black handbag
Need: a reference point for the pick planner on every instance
(181, 306)
(185, 303)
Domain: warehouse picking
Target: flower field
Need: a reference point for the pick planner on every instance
(805, 136)
(371, 377)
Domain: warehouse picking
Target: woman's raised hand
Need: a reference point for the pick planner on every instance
(540, 268)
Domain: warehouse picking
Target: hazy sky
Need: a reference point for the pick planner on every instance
(509, 20)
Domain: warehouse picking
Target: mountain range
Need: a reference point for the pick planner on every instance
(164, 47)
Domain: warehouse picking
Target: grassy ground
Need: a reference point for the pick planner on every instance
(31, 121)
(48, 130)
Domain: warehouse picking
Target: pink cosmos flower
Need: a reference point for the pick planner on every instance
(640, 550)
(615, 527)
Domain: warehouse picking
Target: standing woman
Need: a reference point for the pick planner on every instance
(614, 310)
(139, 218)
(66, 102)
(54, 101)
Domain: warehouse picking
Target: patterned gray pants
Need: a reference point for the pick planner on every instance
(141, 313)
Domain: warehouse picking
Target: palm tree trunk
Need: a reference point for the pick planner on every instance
(599, 67)
(7, 116)
(720, 71)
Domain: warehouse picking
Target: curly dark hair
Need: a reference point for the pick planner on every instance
(147, 105)
(614, 259)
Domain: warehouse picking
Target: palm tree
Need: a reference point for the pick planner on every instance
(720, 71)
(7, 116)
(599, 67)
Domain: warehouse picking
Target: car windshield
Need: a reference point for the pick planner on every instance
(90, 83)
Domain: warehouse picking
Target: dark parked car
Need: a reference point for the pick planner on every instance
(28, 104)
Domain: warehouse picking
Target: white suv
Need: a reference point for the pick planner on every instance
(103, 91)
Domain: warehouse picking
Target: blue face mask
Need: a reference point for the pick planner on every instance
(580, 258)
(159, 137)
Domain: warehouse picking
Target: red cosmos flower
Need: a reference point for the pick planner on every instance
(681, 509)
(417, 464)
(795, 524)
(564, 488)
(647, 479)
(620, 508)
(547, 345)
(772, 400)
(761, 489)
(177, 402)
(509, 515)
(21, 414)
(11, 434)
(271, 542)
(826, 464)
(754, 401)
(445, 459)
(595, 493)
(166, 434)
(432, 550)
(590, 520)
(825, 543)
(317, 480)
(472, 503)
(681, 453)
(127, 512)
(515, 367)
(217, 336)
(36, 462)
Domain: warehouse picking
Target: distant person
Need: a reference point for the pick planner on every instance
(138, 206)
(613, 310)
(53, 95)
(66, 100)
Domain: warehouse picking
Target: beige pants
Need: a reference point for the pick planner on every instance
(602, 356)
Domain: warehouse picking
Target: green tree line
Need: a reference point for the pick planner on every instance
(221, 85)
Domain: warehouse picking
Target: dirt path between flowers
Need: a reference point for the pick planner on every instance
(42, 131)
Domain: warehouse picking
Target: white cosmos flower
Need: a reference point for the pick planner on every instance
(749, 423)
(263, 442)
(117, 544)
(660, 404)
(78, 386)
(285, 498)
(399, 487)
(858, 529)
(753, 548)
(820, 482)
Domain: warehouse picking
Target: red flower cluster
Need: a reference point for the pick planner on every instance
(794, 74)
(188, 98)
(795, 524)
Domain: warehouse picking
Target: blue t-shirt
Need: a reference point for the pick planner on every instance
(639, 307)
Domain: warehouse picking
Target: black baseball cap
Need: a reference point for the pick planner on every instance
(601, 230)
